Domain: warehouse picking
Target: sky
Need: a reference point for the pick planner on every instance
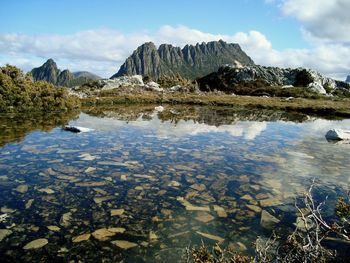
(98, 35)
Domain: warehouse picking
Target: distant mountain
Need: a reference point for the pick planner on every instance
(85, 74)
(49, 72)
(189, 62)
(347, 79)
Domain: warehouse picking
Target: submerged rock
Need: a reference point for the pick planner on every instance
(105, 233)
(23, 188)
(4, 233)
(210, 236)
(117, 212)
(191, 207)
(35, 244)
(220, 211)
(174, 184)
(81, 238)
(54, 228)
(65, 219)
(338, 134)
(89, 169)
(152, 236)
(47, 191)
(124, 244)
(267, 220)
(205, 218)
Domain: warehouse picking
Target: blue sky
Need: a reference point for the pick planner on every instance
(98, 35)
(223, 17)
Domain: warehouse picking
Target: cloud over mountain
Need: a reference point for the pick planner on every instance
(103, 50)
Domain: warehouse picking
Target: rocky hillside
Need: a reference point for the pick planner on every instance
(49, 72)
(189, 62)
(250, 79)
(347, 79)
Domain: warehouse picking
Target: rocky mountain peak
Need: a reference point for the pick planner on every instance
(190, 62)
(64, 77)
(50, 73)
(50, 62)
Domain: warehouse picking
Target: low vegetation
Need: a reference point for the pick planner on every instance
(325, 107)
(19, 93)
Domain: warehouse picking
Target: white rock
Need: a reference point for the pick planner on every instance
(159, 108)
(153, 86)
(317, 87)
(338, 134)
(124, 81)
(237, 64)
(287, 86)
(175, 88)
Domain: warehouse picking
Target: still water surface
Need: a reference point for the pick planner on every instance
(143, 185)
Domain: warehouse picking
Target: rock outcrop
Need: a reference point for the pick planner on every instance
(230, 77)
(50, 73)
(338, 135)
(134, 81)
(124, 81)
(189, 62)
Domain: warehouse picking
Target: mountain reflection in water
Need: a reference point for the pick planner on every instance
(144, 184)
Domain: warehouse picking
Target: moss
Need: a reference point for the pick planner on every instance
(342, 208)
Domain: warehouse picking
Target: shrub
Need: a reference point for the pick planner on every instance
(18, 92)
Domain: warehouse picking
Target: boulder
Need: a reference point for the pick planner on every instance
(76, 129)
(159, 108)
(123, 81)
(338, 134)
(153, 86)
(317, 87)
(178, 88)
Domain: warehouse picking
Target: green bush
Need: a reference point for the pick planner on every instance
(18, 92)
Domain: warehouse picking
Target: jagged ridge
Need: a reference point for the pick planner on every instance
(189, 62)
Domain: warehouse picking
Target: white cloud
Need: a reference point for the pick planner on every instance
(102, 51)
(327, 20)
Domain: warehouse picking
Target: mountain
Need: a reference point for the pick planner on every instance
(50, 73)
(347, 79)
(189, 62)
